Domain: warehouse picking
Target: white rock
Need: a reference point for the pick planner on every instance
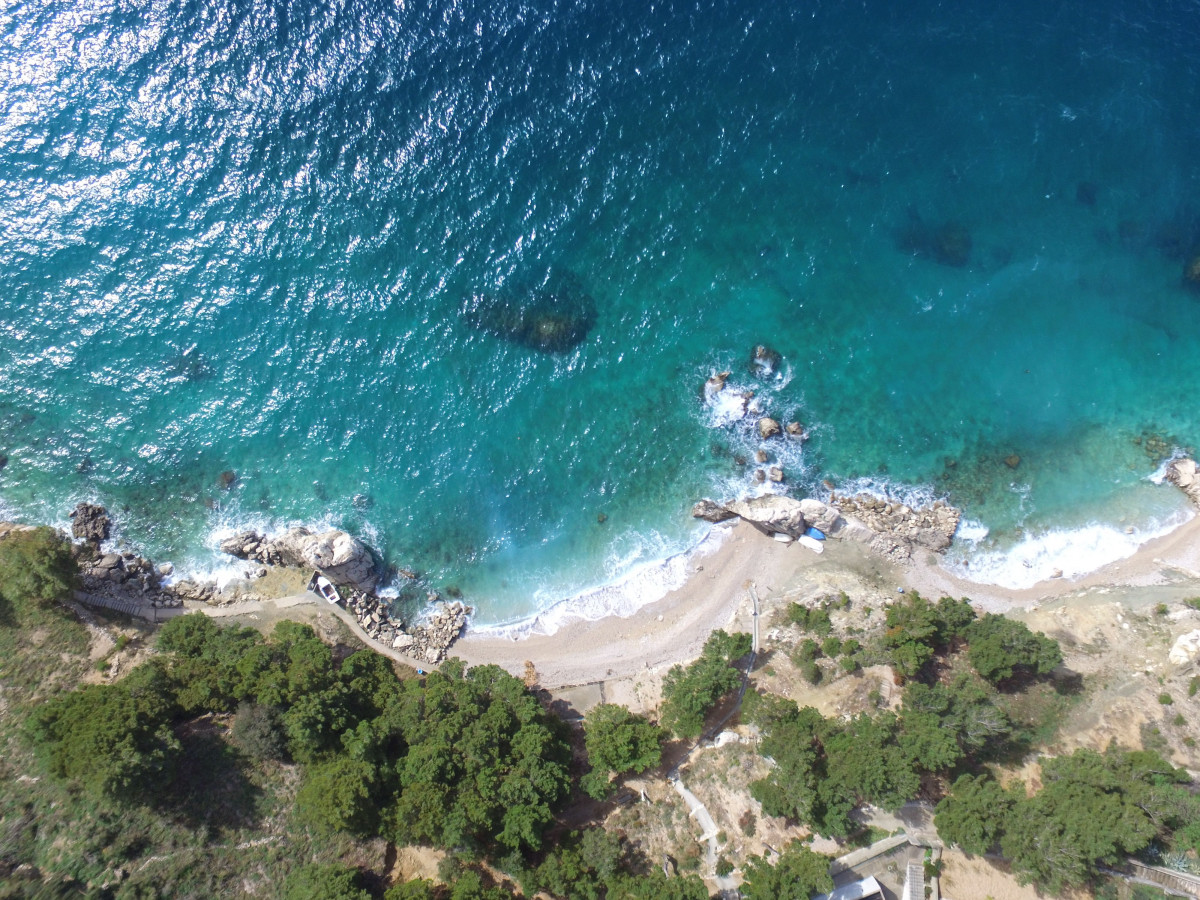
(1186, 648)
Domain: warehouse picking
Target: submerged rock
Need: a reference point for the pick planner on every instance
(553, 317)
(1191, 273)
(948, 243)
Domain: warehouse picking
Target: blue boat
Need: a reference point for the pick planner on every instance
(814, 533)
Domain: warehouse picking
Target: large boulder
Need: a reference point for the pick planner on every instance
(764, 361)
(771, 514)
(822, 516)
(90, 523)
(1183, 474)
(1185, 649)
(340, 557)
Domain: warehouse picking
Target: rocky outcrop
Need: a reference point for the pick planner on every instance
(340, 557)
(775, 514)
(90, 523)
(898, 529)
(893, 529)
(1184, 475)
(711, 512)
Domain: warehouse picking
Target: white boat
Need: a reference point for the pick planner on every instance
(323, 587)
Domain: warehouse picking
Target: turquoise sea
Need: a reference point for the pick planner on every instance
(302, 243)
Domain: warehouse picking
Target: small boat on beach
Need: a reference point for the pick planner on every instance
(323, 587)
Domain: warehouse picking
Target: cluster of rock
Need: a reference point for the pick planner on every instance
(736, 405)
(428, 642)
(120, 575)
(898, 528)
(339, 556)
(892, 529)
(1184, 475)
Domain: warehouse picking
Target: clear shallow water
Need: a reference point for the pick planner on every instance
(242, 237)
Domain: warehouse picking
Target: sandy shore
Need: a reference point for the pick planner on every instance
(716, 595)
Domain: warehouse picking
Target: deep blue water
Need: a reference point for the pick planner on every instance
(250, 237)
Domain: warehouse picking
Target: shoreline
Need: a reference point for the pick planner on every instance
(715, 595)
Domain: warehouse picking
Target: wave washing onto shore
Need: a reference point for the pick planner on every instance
(622, 597)
(1068, 553)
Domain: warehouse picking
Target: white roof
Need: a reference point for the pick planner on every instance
(856, 890)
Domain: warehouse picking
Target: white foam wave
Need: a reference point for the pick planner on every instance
(622, 597)
(1059, 552)
(971, 531)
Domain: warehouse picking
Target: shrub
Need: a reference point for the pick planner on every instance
(831, 646)
(806, 651)
(811, 672)
(258, 731)
(1165, 699)
(810, 618)
(1160, 609)
(323, 882)
(724, 867)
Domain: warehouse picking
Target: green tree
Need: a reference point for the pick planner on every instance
(323, 882)
(481, 760)
(620, 741)
(109, 739)
(998, 647)
(689, 694)
(340, 795)
(974, 813)
(36, 567)
(797, 874)
(924, 735)
(1093, 809)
